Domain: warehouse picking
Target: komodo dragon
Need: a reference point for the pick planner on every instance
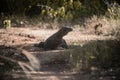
(56, 40)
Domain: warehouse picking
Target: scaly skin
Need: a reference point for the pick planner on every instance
(56, 40)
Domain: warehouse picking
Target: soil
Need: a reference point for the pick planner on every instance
(26, 38)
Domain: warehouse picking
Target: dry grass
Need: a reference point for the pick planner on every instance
(109, 25)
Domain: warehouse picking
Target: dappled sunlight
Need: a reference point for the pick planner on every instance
(59, 39)
(96, 57)
(81, 61)
(46, 75)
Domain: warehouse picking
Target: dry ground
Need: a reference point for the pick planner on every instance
(27, 37)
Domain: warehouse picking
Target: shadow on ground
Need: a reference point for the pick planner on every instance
(102, 55)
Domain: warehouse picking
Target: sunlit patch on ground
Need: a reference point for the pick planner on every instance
(53, 65)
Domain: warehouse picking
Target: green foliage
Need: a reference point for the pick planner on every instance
(59, 9)
(7, 23)
(113, 11)
(77, 5)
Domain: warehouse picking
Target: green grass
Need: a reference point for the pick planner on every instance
(95, 53)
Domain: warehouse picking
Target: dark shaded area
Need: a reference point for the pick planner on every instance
(56, 65)
(8, 61)
(4, 7)
(7, 6)
(106, 53)
(103, 54)
(12, 52)
(22, 12)
(108, 57)
(32, 9)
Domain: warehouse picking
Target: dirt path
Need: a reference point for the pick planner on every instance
(27, 37)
